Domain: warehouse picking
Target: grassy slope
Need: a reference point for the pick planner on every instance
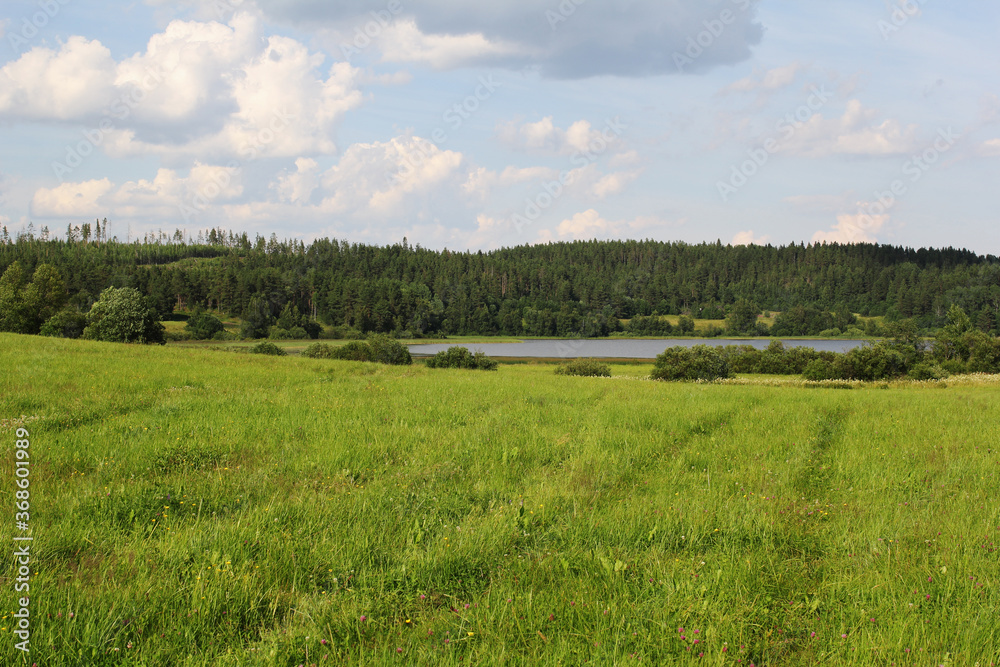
(210, 508)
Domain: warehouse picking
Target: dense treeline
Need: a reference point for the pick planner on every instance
(581, 288)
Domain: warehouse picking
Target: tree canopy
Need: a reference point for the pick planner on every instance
(122, 315)
(583, 288)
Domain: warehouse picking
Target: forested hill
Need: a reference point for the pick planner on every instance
(551, 289)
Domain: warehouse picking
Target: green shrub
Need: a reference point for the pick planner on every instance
(320, 351)
(585, 368)
(265, 347)
(311, 328)
(385, 350)
(379, 349)
(871, 362)
(697, 363)
(460, 357)
(928, 371)
(985, 356)
(955, 367)
(203, 326)
(67, 323)
(775, 360)
(818, 370)
(122, 315)
(277, 333)
(355, 350)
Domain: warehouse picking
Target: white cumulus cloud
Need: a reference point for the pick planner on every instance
(767, 81)
(200, 90)
(544, 137)
(749, 238)
(859, 131)
(853, 228)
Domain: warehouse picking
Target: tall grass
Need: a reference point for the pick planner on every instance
(204, 508)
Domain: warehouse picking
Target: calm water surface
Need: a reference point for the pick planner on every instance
(620, 349)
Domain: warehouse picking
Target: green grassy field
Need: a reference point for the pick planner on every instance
(199, 507)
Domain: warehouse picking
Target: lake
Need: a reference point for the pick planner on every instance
(619, 348)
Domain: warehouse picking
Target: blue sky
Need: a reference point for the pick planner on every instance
(471, 125)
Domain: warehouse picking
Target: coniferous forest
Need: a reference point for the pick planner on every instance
(581, 288)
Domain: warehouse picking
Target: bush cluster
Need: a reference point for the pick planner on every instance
(379, 349)
(585, 368)
(319, 351)
(959, 348)
(203, 326)
(776, 359)
(460, 357)
(268, 348)
(700, 362)
(67, 323)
